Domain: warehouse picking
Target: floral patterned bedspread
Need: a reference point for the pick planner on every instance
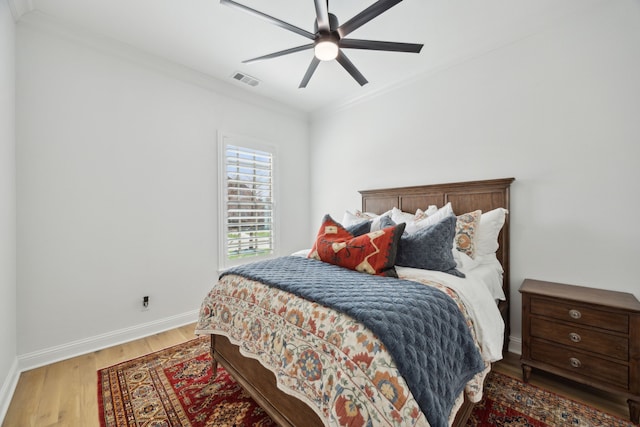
(319, 355)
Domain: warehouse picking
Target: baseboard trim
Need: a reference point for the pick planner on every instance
(76, 348)
(515, 345)
(8, 388)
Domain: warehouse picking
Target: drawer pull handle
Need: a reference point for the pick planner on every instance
(575, 314)
(575, 337)
(575, 362)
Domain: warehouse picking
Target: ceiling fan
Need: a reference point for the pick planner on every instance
(329, 37)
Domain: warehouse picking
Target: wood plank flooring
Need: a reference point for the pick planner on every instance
(65, 393)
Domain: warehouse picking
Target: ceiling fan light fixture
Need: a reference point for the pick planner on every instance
(326, 49)
(329, 37)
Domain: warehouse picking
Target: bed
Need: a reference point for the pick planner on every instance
(287, 399)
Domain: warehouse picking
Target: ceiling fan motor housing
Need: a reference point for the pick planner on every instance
(333, 23)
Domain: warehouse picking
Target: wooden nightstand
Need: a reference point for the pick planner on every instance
(591, 336)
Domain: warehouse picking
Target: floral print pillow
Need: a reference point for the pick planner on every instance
(466, 229)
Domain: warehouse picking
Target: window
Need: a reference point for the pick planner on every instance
(247, 200)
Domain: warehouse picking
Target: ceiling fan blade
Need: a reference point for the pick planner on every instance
(378, 45)
(269, 19)
(322, 13)
(280, 53)
(351, 69)
(307, 76)
(366, 15)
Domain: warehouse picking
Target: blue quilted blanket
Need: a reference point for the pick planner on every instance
(421, 327)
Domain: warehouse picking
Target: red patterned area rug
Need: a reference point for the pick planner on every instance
(510, 402)
(171, 388)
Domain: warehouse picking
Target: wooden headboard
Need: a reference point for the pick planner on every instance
(464, 197)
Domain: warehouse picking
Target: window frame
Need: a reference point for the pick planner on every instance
(243, 142)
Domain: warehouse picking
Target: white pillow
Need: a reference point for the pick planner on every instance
(420, 214)
(464, 261)
(430, 210)
(352, 218)
(490, 259)
(436, 217)
(399, 217)
(487, 235)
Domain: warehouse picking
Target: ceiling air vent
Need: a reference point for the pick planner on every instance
(244, 78)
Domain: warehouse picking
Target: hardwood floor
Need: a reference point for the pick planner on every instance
(65, 393)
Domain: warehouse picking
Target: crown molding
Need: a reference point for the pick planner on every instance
(20, 7)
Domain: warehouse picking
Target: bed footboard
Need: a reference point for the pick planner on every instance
(260, 383)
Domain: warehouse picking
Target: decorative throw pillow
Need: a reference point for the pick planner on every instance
(372, 253)
(466, 228)
(430, 248)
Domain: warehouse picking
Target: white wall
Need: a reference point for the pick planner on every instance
(559, 111)
(8, 361)
(117, 190)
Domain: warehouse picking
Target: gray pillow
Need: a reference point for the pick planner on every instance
(430, 248)
(360, 228)
(386, 221)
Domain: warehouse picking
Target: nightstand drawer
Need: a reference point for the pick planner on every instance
(580, 363)
(580, 314)
(581, 338)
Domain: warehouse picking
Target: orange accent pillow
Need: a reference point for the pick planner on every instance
(372, 253)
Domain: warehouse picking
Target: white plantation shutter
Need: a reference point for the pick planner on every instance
(249, 203)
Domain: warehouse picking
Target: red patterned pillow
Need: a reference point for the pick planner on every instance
(372, 253)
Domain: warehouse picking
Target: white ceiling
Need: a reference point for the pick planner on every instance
(214, 39)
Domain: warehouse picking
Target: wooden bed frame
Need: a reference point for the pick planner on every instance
(260, 383)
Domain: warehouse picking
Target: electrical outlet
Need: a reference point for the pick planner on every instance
(145, 303)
